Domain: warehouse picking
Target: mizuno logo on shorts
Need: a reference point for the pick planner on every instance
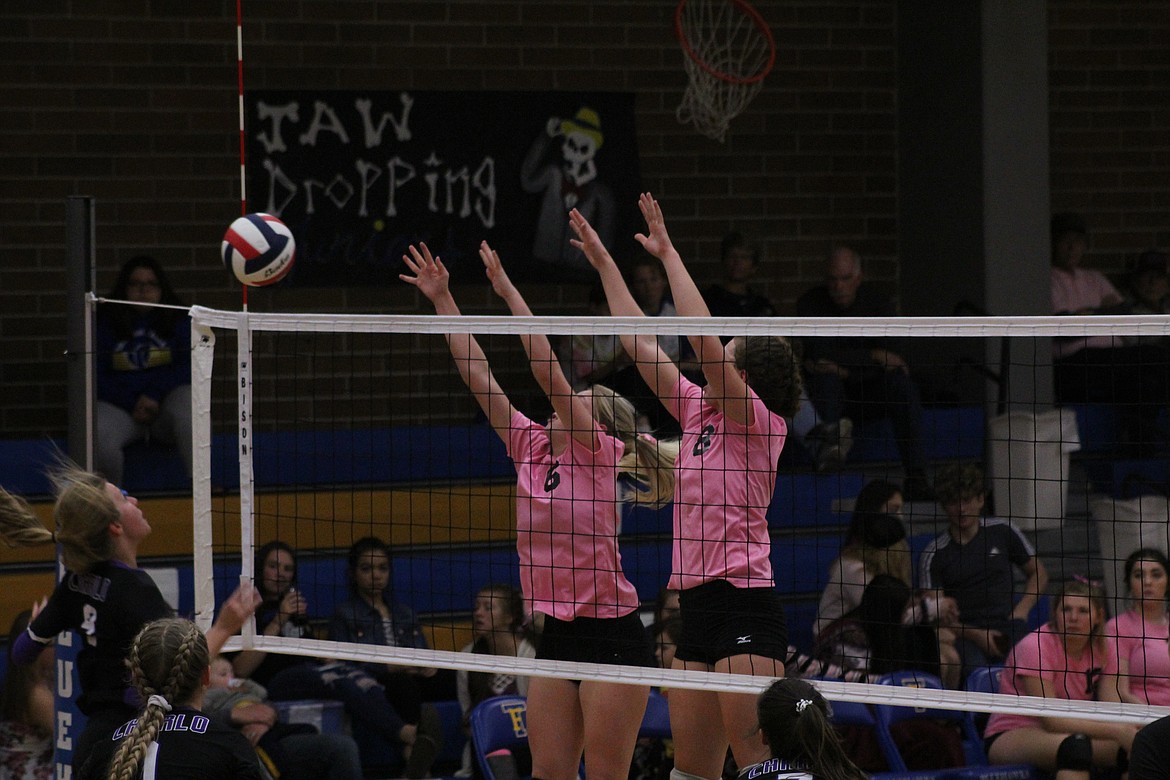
(743, 640)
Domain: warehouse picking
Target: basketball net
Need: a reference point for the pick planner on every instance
(729, 50)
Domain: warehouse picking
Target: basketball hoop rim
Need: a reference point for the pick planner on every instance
(756, 18)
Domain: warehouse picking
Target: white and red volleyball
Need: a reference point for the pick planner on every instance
(259, 249)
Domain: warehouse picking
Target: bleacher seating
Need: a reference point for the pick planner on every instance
(976, 765)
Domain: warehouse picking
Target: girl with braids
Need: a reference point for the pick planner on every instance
(795, 726)
(103, 596)
(170, 737)
(733, 431)
(566, 536)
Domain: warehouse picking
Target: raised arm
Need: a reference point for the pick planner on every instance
(723, 379)
(658, 370)
(545, 367)
(430, 277)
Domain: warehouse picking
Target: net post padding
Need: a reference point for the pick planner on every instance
(202, 357)
(729, 50)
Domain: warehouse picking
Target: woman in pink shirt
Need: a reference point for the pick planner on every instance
(1139, 669)
(732, 432)
(566, 536)
(1062, 660)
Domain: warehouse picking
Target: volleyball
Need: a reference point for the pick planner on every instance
(259, 249)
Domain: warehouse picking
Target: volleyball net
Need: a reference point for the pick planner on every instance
(319, 430)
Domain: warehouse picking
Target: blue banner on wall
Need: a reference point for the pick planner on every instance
(359, 175)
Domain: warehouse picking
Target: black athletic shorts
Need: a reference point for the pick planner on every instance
(621, 641)
(720, 620)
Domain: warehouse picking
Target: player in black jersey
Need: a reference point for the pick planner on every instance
(104, 596)
(794, 723)
(169, 667)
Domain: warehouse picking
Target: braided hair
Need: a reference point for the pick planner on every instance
(167, 662)
(794, 720)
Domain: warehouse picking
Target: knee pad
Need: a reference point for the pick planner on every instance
(678, 774)
(1075, 753)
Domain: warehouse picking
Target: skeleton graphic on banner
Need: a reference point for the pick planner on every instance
(571, 182)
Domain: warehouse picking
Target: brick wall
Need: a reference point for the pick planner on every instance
(1109, 80)
(134, 102)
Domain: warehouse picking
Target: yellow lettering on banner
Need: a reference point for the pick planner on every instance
(64, 771)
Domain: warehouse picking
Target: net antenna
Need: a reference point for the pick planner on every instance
(729, 50)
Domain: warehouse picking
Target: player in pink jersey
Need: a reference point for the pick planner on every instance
(1061, 660)
(566, 529)
(1139, 669)
(733, 431)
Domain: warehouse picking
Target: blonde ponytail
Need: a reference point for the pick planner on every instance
(646, 460)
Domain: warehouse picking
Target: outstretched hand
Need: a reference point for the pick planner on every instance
(238, 607)
(587, 240)
(501, 284)
(430, 276)
(656, 240)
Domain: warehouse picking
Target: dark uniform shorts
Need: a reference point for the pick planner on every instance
(621, 641)
(720, 620)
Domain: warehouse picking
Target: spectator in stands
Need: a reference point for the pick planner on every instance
(372, 616)
(290, 751)
(884, 634)
(734, 296)
(27, 712)
(795, 725)
(1139, 669)
(876, 545)
(1101, 368)
(143, 367)
(1061, 660)
(666, 634)
(827, 443)
(285, 612)
(863, 377)
(973, 562)
(500, 626)
(1149, 290)
(666, 605)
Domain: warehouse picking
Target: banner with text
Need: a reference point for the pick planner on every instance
(358, 176)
